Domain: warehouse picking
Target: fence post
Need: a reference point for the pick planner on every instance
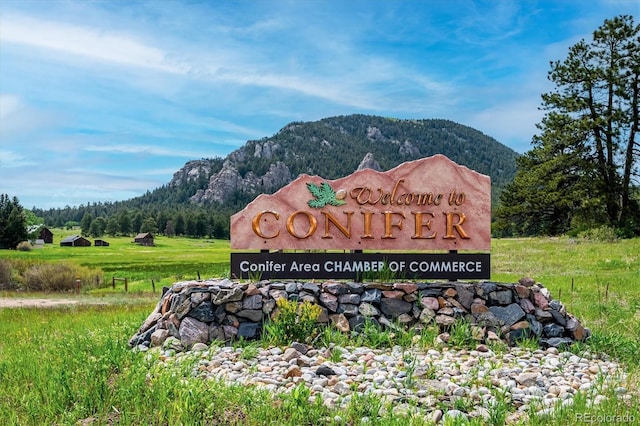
(113, 283)
(153, 285)
(126, 285)
(78, 286)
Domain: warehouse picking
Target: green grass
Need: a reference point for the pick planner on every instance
(170, 260)
(66, 365)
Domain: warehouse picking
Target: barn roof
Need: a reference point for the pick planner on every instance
(70, 239)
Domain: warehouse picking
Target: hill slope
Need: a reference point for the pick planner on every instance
(337, 146)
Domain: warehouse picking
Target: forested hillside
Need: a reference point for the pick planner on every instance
(204, 193)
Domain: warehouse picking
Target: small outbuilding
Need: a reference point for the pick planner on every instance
(75, 241)
(41, 232)
(101, 243)
(46, 235)
(144, 239)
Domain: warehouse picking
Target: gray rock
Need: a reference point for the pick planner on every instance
(357, 323)
(503, 297)
(254, 315)
(193, 331)
(326, 371)
(223, 295)
(216, 333)
(556, 342)
(158, 337)
(347, 309)
(535, 325)
(427, 315)
(248, 330)
(394, 307)
(335, 288)
(329, 301)
(372, 295)
(311, 288)
(291, 287)
(355, 288)
(509, 314)
(559, 317)
(252, 302)
(553, 330)
(487, 288)
(368, 310)
(204, 312)
(353, 299)
(465, 295)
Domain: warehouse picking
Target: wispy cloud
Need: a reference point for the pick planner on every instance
(85, 42)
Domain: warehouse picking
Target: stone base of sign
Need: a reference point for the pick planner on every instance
(204, 311)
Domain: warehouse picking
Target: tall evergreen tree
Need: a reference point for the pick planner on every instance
(13, 224)
(581, 170)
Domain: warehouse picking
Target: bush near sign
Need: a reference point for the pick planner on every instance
(423, 205)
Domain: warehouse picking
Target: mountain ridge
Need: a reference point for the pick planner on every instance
(337, 146)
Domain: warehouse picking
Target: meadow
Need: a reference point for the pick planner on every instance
(72, 364)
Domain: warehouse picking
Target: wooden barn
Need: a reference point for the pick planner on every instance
(41, 232)
(101, 243)
(46, 235)
(75, 241)
(144, 239)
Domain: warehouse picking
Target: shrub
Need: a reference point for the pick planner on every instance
(24, 246)
(59, 277)
(5, 275)
(293, 322)
(601, 234)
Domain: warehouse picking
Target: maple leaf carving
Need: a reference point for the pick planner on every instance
(323, 195)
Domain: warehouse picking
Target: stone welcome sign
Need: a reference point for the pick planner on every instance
(426, 205)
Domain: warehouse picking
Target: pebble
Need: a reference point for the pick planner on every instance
(542, 378)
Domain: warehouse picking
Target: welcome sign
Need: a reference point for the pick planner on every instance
(426, 205)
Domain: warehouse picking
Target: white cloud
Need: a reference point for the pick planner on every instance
(9, 104)
(142, 149)
(86, 42)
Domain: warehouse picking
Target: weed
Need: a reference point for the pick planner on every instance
(293, 322)
(336, 355)
(461, 335)
(530, 343)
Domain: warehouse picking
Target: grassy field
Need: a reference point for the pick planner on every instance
(72, 365)
(170, 260)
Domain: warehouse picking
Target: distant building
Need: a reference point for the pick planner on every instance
(144, 239)
(75, 241)
(46, 235)
(41, 232)
(101, 243)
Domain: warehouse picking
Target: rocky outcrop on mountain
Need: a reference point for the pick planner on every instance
(368, 162)
(336, 147)
(229, 181)
(192, 171)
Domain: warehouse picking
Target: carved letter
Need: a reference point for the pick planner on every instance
(328, 217)
(366, 225)
(255, 224)
(450, 225)
(420, 225)
(313, 224)
(388, 224)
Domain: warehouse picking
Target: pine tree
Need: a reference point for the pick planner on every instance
(580, 171)
(13, 224)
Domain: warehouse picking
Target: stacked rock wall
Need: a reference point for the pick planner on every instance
(203, 311)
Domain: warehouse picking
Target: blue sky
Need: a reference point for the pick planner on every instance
(104, 100)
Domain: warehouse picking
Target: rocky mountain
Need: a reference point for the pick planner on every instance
(337, 146)
(204, 193)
